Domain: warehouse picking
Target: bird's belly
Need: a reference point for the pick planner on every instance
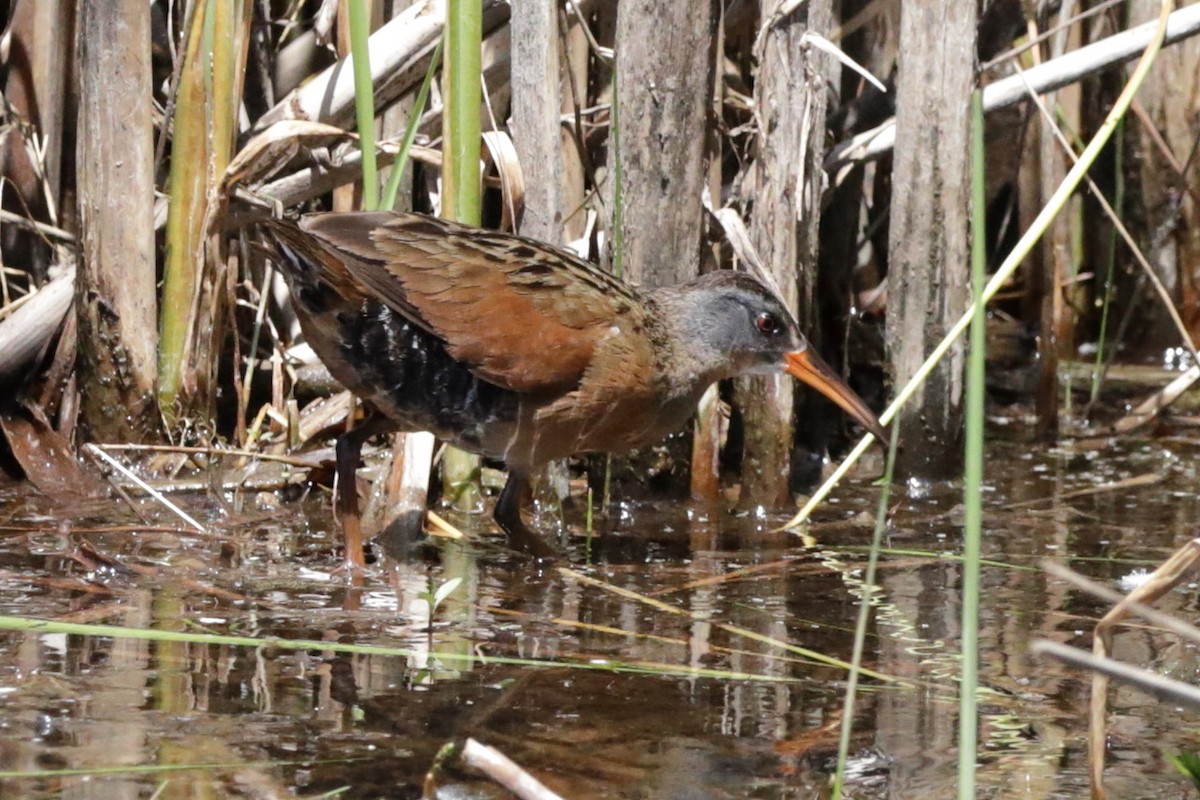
(408, 376)
(610, 425)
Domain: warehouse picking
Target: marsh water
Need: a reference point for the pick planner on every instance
(672, 657)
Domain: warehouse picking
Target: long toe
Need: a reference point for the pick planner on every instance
(525, 540)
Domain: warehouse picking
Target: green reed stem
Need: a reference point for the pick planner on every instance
(410, 131)
(364, 99)
(973, 477)
(462, 128)
(618, 228)
(468, 659)
(461, 188)
(1106, 303)
(864, 616)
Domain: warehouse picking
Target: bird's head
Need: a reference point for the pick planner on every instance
(732, 325)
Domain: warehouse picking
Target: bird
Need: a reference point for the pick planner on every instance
(518, 350)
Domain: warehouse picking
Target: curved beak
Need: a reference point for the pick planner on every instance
(807, 366)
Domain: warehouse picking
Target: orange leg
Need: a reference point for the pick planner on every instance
(348, 458)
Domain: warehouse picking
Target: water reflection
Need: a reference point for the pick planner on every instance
(684, 591)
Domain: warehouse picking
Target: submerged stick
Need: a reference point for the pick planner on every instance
(505, 771)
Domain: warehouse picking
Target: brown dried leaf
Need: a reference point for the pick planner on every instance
(46, 457)
(270, 151)
(503, 154)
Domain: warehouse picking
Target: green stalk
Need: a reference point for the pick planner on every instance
(203, 130)
(410, 131)
(973, 478)
(864, 616)
(187, 189)
(364, 99)
(1106, 303)
(462, 131)
(231, 33)
(618, 232)
(588, 527)
(618, 250)
(468, 660)
(461, 190)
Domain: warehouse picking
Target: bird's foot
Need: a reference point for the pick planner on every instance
(522, 539)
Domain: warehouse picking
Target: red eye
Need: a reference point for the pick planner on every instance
(767, 323)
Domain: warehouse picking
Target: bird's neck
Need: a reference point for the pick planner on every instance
(687, 360)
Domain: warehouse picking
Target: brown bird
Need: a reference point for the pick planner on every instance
(518, 350)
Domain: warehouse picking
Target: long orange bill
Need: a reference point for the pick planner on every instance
(807, 366)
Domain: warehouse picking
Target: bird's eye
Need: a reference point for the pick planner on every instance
(767, 323)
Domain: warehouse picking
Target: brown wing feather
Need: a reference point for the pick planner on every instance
(522, 314)
(330, 265)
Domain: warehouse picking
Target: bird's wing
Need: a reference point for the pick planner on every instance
(309, 265)
(521, 314)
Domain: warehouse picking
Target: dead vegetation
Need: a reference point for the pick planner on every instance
(137, 197)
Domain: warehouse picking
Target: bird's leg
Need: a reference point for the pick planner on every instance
(508, 517)
(348, 457)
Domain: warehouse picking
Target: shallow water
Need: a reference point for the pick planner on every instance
(716, 700)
